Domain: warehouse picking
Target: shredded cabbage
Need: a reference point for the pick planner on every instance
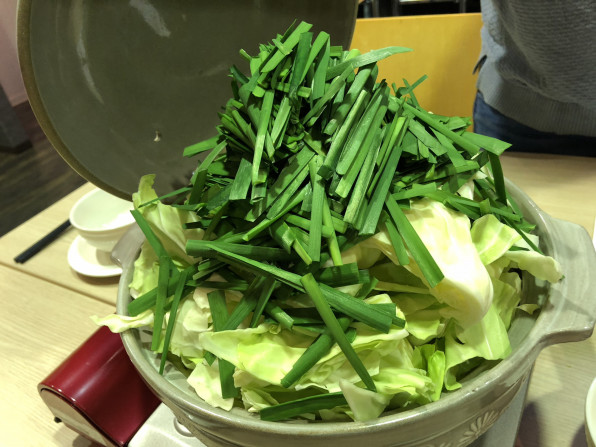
(449, 328)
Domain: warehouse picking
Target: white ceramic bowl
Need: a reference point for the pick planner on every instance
(101, 218)
(568, 313)
(591, 415)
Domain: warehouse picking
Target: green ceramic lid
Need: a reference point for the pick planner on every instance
(120, 88)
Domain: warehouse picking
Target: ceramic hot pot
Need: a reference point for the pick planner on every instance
(568, 313)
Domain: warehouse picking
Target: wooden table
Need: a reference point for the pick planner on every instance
(46, 309)
(51, 264)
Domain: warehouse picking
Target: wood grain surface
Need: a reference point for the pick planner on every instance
(34, 178)
(42, 323)
(57, 271)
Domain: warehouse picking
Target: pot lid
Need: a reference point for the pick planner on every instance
(121, 88)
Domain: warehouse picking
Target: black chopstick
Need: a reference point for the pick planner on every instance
(42, 243)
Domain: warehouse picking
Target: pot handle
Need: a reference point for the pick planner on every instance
(576, 316)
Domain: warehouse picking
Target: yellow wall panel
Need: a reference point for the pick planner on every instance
(446, 48)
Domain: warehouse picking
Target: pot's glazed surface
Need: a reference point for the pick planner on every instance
(568, 313)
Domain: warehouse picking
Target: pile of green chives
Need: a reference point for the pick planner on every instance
(312, 155)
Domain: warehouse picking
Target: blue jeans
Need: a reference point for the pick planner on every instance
(488, 121)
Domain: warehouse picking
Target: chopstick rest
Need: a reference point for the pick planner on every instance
(42, 243)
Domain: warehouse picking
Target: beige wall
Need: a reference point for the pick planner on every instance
(10, 73)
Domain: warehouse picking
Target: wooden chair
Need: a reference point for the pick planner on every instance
(445, 48)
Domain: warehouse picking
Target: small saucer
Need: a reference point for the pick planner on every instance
(89, 261)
